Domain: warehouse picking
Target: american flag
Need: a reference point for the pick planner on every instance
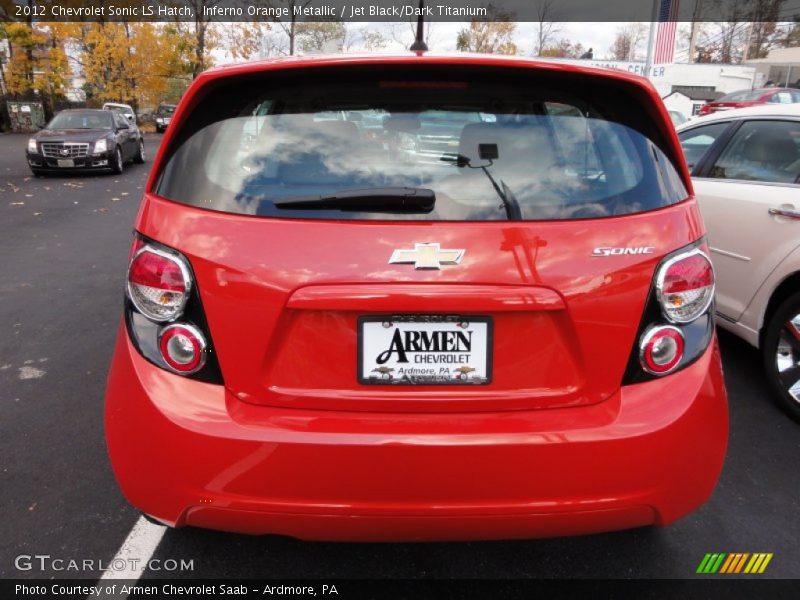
(665, 37)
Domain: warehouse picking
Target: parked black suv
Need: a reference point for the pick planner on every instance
(164, 116)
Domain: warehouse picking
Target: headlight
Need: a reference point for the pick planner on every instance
(159, 120)
(100, 146)
(32, 145)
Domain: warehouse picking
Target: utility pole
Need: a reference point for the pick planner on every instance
(651, 39)
(697, 14)
(746, 53)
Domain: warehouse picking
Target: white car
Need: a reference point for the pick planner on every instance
(126, 110)
(745, 166)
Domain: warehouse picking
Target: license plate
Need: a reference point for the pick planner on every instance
(66, 162)
(425, 350)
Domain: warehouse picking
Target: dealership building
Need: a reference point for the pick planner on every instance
(686, 87)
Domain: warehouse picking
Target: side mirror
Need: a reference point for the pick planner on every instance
(130, 117)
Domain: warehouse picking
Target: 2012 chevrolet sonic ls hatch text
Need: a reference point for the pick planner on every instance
(417, 298)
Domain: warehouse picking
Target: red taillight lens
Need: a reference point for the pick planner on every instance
(661, 349)
(685, 286)
(158, 284)
(183, 348)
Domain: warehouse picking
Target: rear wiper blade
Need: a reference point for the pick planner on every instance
(510, 202)
(389, 200)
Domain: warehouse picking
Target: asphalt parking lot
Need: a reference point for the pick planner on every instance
(64, 243)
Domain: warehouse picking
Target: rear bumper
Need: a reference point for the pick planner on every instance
(189, 453)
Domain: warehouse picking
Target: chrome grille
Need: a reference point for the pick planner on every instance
(65, 150)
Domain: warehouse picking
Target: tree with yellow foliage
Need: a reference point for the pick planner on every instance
(494, 36)
(23, 40)
(137, 63)
(37, 62)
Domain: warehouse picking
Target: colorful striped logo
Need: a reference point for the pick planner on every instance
(737, 562)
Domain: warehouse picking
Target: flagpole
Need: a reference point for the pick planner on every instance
(648, 63)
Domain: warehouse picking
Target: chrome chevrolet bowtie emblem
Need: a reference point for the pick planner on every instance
(427, 256)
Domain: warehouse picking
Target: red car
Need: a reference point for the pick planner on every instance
(331, 337)
(743, 98)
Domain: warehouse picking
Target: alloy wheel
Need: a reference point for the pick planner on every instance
(787, 357)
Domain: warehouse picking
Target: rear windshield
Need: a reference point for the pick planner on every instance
(735, 96)
(166, 109)
(480, 147)
(123, 110)
(743, 96)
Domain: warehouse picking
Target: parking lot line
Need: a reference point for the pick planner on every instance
(135, 552)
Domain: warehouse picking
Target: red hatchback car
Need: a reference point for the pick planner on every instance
(330, 335)
(745, 98)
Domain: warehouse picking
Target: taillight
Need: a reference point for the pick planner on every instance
(164, 313)
(661, 349)
(677, 325)
(183, 348)
(685, 286)
(159, 284)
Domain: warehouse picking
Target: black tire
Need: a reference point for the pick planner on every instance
(139, 157)
(117, 164)
(781, 355)
(159, 129)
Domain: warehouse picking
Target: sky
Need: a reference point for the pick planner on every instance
(599, 36)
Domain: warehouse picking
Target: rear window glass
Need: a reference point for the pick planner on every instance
(735, 96)
(483, 148)
(122, 110)
(745, 97)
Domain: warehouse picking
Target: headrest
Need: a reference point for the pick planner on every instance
(774, 146)
(526, 143)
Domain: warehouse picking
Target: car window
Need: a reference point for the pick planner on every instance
(120, 120)
(558, 159)
(782, 98)
(571, 129)
(735, 96)
(122, 110)
(81, 120)
(762, 151)
(677, 117)
(696, 141)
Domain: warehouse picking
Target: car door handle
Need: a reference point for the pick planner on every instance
(785, 212)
